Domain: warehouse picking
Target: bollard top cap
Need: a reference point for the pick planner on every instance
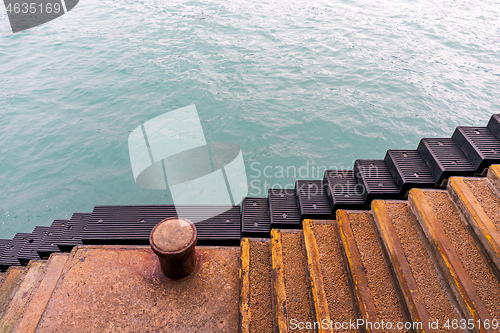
(173, 235)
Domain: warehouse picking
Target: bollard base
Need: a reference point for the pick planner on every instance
(173, 240)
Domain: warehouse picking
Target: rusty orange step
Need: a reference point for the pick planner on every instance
(330, 289)
(370, 278)
(27, 286)
(481, 208)
(460, 259)
(9, 284)
(317, 285)
(292, 302)
(256, 310)
(426, 299)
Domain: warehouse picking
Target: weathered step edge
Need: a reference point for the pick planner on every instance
(407, 285)
(280, 320)
(358, 282)
(245, 313)
(494, 178)
(455, 275)
(14, 275)
(481, 224)
(28, 285)
(66, 267)
(41, 296)
(255, 284)
(316, 280)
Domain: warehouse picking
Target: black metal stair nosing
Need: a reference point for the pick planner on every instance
(9, 257)
(494, 125)
(370, 194)
(104, 231)
(302, 202)
(258, 231)
(295, 222)
(356, 201)
(48, 244)
(3, 245)
(398, 174)
(472, 150)
(73, 237)
(31, 245)
(438, 169)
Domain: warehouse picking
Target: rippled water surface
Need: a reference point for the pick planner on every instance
(298, 85)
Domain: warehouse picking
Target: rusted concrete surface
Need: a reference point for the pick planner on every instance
(122, 289)
(27, 285)
(9, 286)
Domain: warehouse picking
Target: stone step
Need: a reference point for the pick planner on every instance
(480, 206)
(427, 299)
(27, 285)
(330, 289)
(256, 308)
(291, 294)
(29, 321)
(9, 286)
(370, 279)
(461, 260)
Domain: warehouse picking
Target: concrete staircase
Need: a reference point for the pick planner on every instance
(426, 264)
(431, 259)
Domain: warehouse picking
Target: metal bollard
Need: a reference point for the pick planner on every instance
(173, 240)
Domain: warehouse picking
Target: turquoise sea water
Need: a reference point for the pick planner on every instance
(299, 85)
